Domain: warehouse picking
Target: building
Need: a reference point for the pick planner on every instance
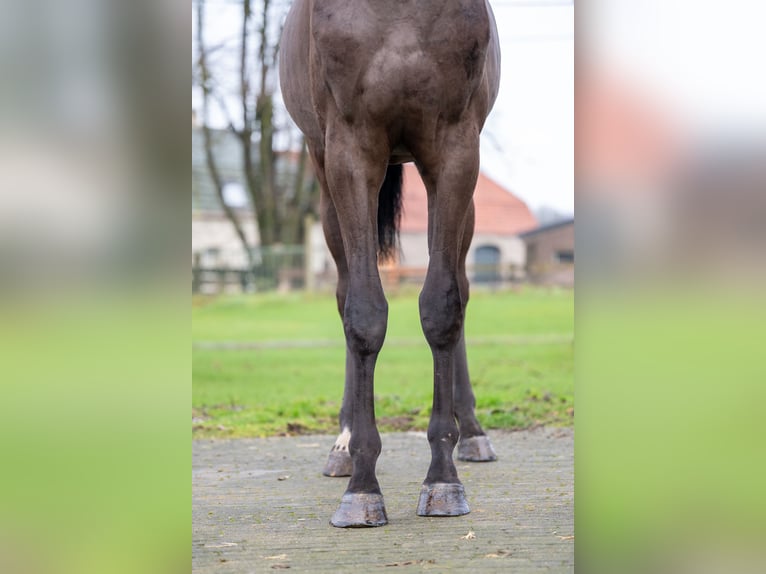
(218, 254)
(496, 253)
(214, 241)
(550, 253)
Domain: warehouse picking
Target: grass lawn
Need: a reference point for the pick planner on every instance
(273, 364)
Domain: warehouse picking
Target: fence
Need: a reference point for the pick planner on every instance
(286, 268)
(283, 268)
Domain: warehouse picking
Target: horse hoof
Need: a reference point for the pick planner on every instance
(476, 449)
(360, 510)
(442, 499)
(338, 464)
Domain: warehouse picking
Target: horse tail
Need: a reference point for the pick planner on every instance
(389, 211)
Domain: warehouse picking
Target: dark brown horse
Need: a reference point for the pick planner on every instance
(373, 84)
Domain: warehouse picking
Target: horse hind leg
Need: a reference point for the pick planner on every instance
(354, 176)
(474, 445)
(339, 459)
(450, 183)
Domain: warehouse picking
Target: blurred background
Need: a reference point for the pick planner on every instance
(94, 260)
(94, 330)
(671, 205)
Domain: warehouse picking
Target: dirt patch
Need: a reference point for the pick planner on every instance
(294, 429)
(202, 300)
(400, 423)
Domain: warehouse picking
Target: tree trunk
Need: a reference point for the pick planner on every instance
(280, 200)
(268, 212)
(299, 203)
(212, 166)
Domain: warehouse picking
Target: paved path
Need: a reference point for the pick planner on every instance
(261, 505)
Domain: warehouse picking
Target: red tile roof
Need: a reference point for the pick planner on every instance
(497, 210)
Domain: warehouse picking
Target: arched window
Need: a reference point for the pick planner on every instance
(486, 264)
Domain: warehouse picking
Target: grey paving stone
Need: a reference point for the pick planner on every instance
(260, 505)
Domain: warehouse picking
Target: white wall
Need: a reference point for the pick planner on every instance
(216, 232)
(414, 249)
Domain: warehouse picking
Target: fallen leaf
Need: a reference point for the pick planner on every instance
(470, 536)
(285, 477)
(566, 537)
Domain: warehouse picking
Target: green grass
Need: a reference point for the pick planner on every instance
(520, 353)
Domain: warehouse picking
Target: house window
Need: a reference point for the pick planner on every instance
(486, 264)
(210, 257)
(565, 256)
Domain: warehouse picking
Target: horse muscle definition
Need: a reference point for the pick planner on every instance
(373, 84)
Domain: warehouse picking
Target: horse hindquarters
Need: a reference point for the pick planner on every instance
(358, 92)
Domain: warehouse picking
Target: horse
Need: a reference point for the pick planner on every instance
(373, 84)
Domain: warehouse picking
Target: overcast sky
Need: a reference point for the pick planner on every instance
(528, 140)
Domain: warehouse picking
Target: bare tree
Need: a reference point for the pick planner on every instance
(280, 203)
(205, 82)
(280, 199)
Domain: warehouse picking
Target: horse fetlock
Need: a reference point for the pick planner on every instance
(365, 448)
(443, 435)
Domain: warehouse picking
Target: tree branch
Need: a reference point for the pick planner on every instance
(212, 165)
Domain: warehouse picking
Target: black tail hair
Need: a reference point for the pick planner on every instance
(389, 211)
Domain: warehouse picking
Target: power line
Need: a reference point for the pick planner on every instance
(494, 3)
